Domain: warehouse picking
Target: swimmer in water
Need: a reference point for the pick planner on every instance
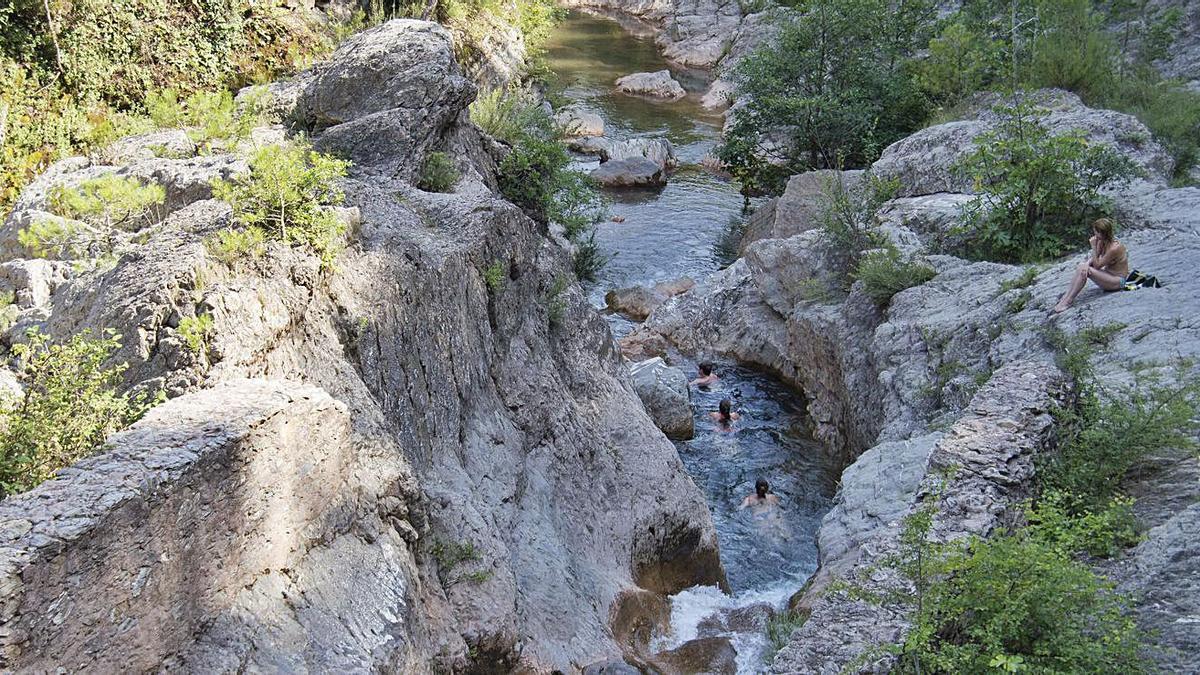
(763, 499)
(707, 376)
(725, 416)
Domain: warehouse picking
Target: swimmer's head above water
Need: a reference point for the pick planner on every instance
(761, 488)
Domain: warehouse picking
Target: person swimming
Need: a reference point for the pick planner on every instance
(707, 376)
(724, 415)
(762, 500)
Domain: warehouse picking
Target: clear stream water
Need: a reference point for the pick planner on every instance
(690, 228)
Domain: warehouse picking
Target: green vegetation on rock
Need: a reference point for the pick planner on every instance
(1038, 191)
(90, 212)
(885, 272)
(69, 406)
(438, 173)
(285, 196)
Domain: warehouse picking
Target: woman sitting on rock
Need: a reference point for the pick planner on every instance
(1107, 267)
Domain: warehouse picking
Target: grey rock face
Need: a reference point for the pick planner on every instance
(993, 447)
(713, 656)
(800, 206)
(636, 302)
(664, 391)
(387, 95)
(630, 172)
(658, 84)
(438, 379)
(95, 574)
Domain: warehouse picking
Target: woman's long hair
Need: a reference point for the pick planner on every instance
(1104, 227)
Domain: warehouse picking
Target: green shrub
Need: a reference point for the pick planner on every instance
(1109, 431)
(1038, 191)
(556, 304)
(848, 216)
(438, 173)
(231, 244)
(1014, 601)
(196, 331)
(501, 113)
(1019, 302)
(885, 272)
(108, 201)
(69, 407)
(207, 116)
(95, 208)
(8, 310)
(1063, 522)
(833, 88)
(493, 276)
(285, 195)
(589, 260)
(959, 63)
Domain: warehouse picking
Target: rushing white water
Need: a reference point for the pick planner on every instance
(689, 228)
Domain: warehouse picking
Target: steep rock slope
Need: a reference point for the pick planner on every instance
(466, 422)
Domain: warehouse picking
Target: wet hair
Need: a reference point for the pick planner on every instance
(726, 410)
(706, 369)
(1104, 227)
(761, 488)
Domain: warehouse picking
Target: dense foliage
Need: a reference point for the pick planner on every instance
(847, 77)
(885, 272)
(285, 196)
(90, 213)
(1038, 191)
(834, 88)
(70, 405)
(438, 173)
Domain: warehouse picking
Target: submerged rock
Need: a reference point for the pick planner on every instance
(658, 150)
(712, 656)
(665, 393)
(658, 84)
(631, 172)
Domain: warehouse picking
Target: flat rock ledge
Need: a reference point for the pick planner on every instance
(989, 454)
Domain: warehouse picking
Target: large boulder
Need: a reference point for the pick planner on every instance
(925, 162)
(710, 656)
(665, 393)
(630, 172)
(386, 96)
(637, 302)
(657, 150)
(658, 84)
(800, 207)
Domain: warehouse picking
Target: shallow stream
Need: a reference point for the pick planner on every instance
(689, 228)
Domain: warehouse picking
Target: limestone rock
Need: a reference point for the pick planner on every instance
(658, 84)
(657, 150)
(637, 302)
(387, 95)
(800, 206)
(170, 143)
(631, 172)
(576, 122)
(664, 391)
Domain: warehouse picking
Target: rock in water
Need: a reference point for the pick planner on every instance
(658, 84)
(712, 656)
(578, 123)
(664, 391)
(632, 172)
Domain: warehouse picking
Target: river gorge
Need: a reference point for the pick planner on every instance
(421, 440)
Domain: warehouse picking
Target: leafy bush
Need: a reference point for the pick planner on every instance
(1038, 191)
(206, 115)
(69, 407)
(95, 208)
(847, 215)
(959, 63)
(231, 244)
(285, 195)
(1109, 431)
(438, 173)
(589, 259)
(886, 272)
(833, 88)
(1014, 601)
(501, 113)
(1061, 521)
(195, 331)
